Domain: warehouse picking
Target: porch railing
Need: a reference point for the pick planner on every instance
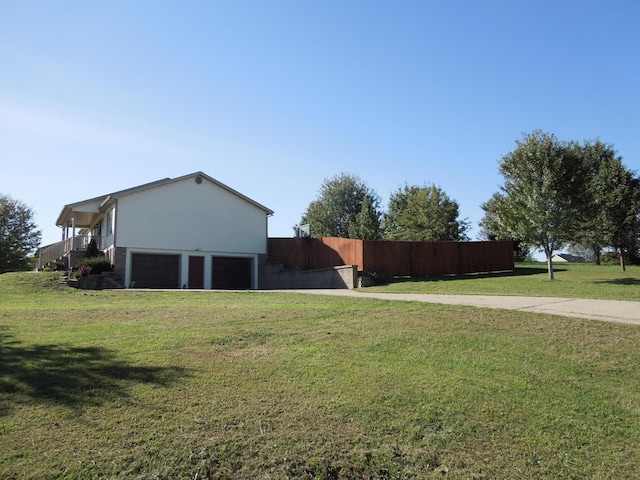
(60, 249)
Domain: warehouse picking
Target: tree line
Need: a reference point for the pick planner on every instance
(347, 208)
(555, 193)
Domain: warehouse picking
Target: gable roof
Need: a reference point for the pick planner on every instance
(88, 210)
(567, 257)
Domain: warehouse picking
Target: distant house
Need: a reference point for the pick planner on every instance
(567, 257)
(191, 231)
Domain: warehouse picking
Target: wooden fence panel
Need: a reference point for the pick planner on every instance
(502, 256)
(475, 257)
(434, 258)
(351, 250)
(392, 258)
(443, 258)
(422, 254)
(333, 252)
(291, 252)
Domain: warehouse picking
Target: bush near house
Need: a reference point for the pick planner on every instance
(97, 264)
(93, 250)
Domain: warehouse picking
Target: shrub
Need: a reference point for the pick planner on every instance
(97, 264)
(84, 270)
(92, 249)
(377, 277)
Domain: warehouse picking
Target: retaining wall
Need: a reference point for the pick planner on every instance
(273, 276)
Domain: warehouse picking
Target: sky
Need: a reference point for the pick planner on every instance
(273, 97)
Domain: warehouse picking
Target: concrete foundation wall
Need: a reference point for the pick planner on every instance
(273, 276)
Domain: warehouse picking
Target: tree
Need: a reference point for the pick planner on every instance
(544, 194)
(338, 211)
(367, 222)
(521, 252)
(614, 206)
(423, 214)
(92, 249)
(19, 236)
(490, 226)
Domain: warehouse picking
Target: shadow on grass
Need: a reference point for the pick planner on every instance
(68, 375)
(518, 272)
(619, 281)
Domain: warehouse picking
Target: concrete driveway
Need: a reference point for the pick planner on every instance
(603, 310)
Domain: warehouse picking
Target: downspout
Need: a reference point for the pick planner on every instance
(115, 228)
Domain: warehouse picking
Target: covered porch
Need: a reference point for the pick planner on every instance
(80, 223)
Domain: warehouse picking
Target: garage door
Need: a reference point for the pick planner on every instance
(231, 273)
(150, 270)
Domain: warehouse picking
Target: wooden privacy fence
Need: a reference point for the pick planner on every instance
(392, 258)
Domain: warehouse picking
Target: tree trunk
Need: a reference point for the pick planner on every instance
(549, 254)
(622, 260)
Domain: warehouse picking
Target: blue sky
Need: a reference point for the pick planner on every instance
(272, 97)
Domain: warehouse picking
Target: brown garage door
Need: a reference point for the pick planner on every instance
(231, 273)
(149, 270)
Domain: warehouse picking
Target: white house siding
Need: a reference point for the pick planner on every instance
(187, 216)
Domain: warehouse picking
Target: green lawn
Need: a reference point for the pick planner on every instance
(166, 385)
(571, 280)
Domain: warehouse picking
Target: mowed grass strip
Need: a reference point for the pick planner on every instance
(572, 280)
(167, 385)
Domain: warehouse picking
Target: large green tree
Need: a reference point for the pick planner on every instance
(423, 214)
(612, 214)
(346, 207)
(19, 236)
(544, 194)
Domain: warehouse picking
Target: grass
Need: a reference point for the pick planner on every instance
(605, 282)
(165, 385)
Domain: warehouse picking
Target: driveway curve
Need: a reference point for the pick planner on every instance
(615, 311)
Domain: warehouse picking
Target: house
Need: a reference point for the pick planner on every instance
(186, 232)
(567, 257)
